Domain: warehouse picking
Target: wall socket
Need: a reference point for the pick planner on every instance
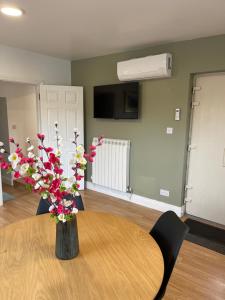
(164, 193)
(129, 190)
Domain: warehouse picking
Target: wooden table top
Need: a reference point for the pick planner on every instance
(117, 260)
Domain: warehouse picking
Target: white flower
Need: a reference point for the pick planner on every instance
(53, 198)
(1, 144)
(80, 149)
(23, 169)
(61, 217)
(80, 172)
(44, 195)
(14, 159)
(36, 176)
(31, 155)
(28, 140)
(67, 202)
(77, 194)
(43, 185)
(58, 152)
(75, 210)
(36, 187)
(2, 150)
(31, 148)
(51, 207)
(56, 123)
(71, 179)
(75, 130)
(79, 158)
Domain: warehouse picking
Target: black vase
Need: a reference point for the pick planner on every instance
(67, 243)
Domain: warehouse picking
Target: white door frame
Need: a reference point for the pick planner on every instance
(191, 129)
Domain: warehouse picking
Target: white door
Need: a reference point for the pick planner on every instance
(62, 104)
(206, 173)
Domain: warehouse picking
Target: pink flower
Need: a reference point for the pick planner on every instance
(90, 159)
(41, 136)
(93, 154)
(18, 150)
(100, 140)
(4, 165)
(11, 140)
(92, 147)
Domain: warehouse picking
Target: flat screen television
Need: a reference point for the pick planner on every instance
(117, 101)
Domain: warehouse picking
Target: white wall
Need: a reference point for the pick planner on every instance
(30, 67)
(21, 109)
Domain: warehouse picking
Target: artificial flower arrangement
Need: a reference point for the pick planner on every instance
(44, 174)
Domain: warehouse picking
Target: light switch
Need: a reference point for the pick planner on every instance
(169, 130)
(177, 114)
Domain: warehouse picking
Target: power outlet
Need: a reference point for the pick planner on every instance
(164, 193)
(129, 190)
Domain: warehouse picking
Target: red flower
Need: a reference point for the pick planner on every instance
(49, 149)
(86, 155)
(78, 177)
(47, 165)
(53, 159)
(41, 136)
(16, 175)
(29, 180)
(58, 170)
(55, 184)
(92, 147)
(40, 147)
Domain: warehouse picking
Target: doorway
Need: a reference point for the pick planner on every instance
(205, 196)
(18, 117)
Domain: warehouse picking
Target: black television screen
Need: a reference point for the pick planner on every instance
(117, 101)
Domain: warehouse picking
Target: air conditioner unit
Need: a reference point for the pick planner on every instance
(155, 66)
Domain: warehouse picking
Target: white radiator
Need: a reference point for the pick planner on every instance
(111, 165)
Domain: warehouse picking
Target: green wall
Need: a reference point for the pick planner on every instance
(158, 160)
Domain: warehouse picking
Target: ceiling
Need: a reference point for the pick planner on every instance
(75, 29)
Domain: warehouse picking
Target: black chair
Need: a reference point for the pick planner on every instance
(44, 205)
(169, 233)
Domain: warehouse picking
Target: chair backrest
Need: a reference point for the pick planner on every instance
(169, 233)
(44, 205)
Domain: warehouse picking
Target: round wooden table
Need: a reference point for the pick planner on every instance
(117, 260)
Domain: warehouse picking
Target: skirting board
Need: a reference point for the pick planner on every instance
(144, 201)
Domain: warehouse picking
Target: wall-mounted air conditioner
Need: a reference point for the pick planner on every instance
(155, 66)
